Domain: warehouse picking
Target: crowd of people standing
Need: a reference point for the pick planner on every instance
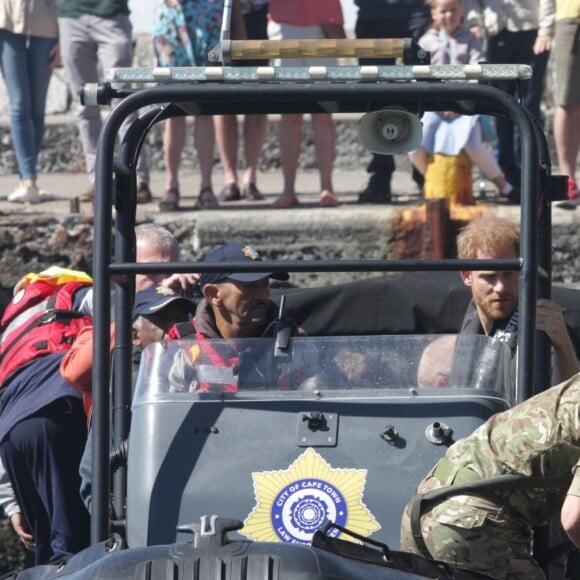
(36, 37)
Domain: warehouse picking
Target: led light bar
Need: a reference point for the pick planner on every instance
(335, 73)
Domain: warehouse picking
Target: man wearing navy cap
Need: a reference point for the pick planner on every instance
(155, 311)
(235, 305)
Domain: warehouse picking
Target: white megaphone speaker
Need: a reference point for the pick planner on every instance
(390, 131)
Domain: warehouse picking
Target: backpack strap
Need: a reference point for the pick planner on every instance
(39, 324)
(422, 503)
(51, 314)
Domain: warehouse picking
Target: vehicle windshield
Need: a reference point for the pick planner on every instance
(325, 367)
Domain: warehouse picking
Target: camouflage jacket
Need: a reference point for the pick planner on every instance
(537, 438)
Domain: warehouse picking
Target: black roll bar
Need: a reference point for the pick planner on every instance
(309, 97)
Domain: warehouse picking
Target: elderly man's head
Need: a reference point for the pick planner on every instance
(239, 301)
(436, 360)
(154, 243)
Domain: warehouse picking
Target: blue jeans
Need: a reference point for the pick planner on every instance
(24, 62)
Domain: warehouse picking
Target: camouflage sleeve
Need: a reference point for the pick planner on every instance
(575, 486)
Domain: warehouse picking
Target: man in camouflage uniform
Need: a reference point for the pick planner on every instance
(536, 446)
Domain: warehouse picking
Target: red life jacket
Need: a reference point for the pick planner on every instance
(183, 330)
(39, 320)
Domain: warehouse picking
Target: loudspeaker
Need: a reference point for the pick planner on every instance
(390, 131)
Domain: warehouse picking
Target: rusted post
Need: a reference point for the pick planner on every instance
(435, 229)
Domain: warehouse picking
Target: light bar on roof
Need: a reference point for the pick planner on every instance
(478, 72)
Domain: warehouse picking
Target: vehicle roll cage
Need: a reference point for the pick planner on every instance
(115, 187)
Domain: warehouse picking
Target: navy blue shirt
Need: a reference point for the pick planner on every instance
(33, 388)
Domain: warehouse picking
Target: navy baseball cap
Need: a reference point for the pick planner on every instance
(236, 253)
(154, 299)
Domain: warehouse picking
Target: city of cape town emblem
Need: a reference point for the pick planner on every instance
(291, 504)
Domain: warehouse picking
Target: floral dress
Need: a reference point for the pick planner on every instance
(185, 31)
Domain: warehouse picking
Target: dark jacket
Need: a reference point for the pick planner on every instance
(399, 9)
(101, 8)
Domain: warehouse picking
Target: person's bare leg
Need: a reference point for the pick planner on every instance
(567, 138)
(226, 135)
(489, 167)
(173, 143)
(204, 140)
(290, 141)
(324, 144)
(255, 128)
(419, 159)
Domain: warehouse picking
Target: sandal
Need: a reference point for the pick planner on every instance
(286, 201)
(171, 200)
(328, 199)
(231, 192)
(252, 193)
(206, 199)
(144, 193)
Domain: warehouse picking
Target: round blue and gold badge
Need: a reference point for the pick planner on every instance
(292, 504)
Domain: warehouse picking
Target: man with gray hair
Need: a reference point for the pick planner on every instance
(155, 243)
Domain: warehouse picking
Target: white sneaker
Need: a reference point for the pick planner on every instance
(25, 194)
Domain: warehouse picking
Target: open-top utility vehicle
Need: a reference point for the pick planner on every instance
(302, 466)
